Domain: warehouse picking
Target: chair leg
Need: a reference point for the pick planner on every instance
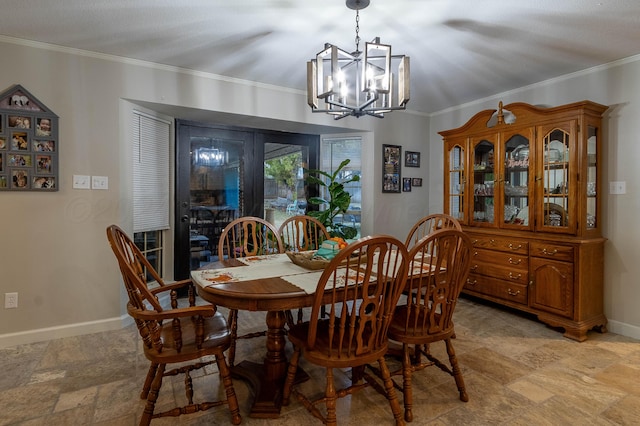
(457, 373)
(291, 376)
(391, 393)
(147, 414)
(233, 328)
(232, 399)
(330, 399)
(407, 390)
(151, 374)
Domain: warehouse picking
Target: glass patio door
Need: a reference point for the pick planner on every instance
(220, 176)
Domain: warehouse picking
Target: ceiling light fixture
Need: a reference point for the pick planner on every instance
(358, 83)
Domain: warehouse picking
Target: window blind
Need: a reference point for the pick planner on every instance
(151, 142)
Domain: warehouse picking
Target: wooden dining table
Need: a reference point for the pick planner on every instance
(261, 283)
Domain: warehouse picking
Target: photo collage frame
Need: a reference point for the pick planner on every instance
(392, 180)
(28, 143)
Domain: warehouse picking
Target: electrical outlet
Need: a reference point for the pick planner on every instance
(10, 300)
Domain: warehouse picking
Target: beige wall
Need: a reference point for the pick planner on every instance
(54, 251)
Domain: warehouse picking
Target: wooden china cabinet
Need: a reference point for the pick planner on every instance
(525, 183)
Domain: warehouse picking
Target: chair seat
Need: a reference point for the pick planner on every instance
(216, 338)
(320, 353)
(399, 331)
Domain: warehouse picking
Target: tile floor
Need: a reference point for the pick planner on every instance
(517, 372)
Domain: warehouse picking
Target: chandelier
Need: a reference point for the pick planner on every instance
(358, 83)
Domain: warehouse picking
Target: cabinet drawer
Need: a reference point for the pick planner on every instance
(500, 243)
(498, 258)
(552, 251)
(520, 276)
(505, 290)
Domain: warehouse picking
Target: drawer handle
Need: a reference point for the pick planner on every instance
(475, 253)
(549, 253)
(515, 261)
(492, 242)
(514, 277)
(513, 293)
(474, 267)
(472, 283)
(474, 242)
(512, 247)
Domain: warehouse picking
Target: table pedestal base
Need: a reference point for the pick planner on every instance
(267, 379)
(267, 399)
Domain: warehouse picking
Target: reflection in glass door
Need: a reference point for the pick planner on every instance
(212, 175)
(216, 188)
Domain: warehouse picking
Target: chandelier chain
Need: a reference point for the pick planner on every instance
(357, 31)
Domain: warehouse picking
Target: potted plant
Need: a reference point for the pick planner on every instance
(338, 202)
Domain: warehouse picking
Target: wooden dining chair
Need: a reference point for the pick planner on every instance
(361, 286)
(183, 335)
(428, 224)
(244, 237)
(302, 233)
(438, 268)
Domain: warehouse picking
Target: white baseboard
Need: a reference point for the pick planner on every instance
(624, 329)
(78, 329)
(70, 330)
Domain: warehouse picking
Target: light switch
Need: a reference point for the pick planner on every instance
(81, 182)
(618, 188)
(99, 182)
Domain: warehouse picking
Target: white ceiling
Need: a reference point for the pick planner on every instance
(460, 50)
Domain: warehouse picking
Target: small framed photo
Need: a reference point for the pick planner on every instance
(43, 127)
(19, 141)
(392, 158)
(406, 185)
(44, 182)
(44, 146)
(416, 182)
(20, 179)
(3, 181)
(19, 160)
(411, 159)
(44, 164)
(19, 122)
(3, 142)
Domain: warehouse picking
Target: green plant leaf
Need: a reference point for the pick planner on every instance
(338, 202)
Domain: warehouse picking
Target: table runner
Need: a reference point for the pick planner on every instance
(258, 267)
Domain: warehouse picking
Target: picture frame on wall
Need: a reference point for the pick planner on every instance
(406, 185)
(391, 167)
(29, 143)
(411, 159)
(416, 182)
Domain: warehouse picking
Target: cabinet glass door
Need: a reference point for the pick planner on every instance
(483, 182)
(556, 178)
(517, 189)
(592, 177)
(456, 182)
